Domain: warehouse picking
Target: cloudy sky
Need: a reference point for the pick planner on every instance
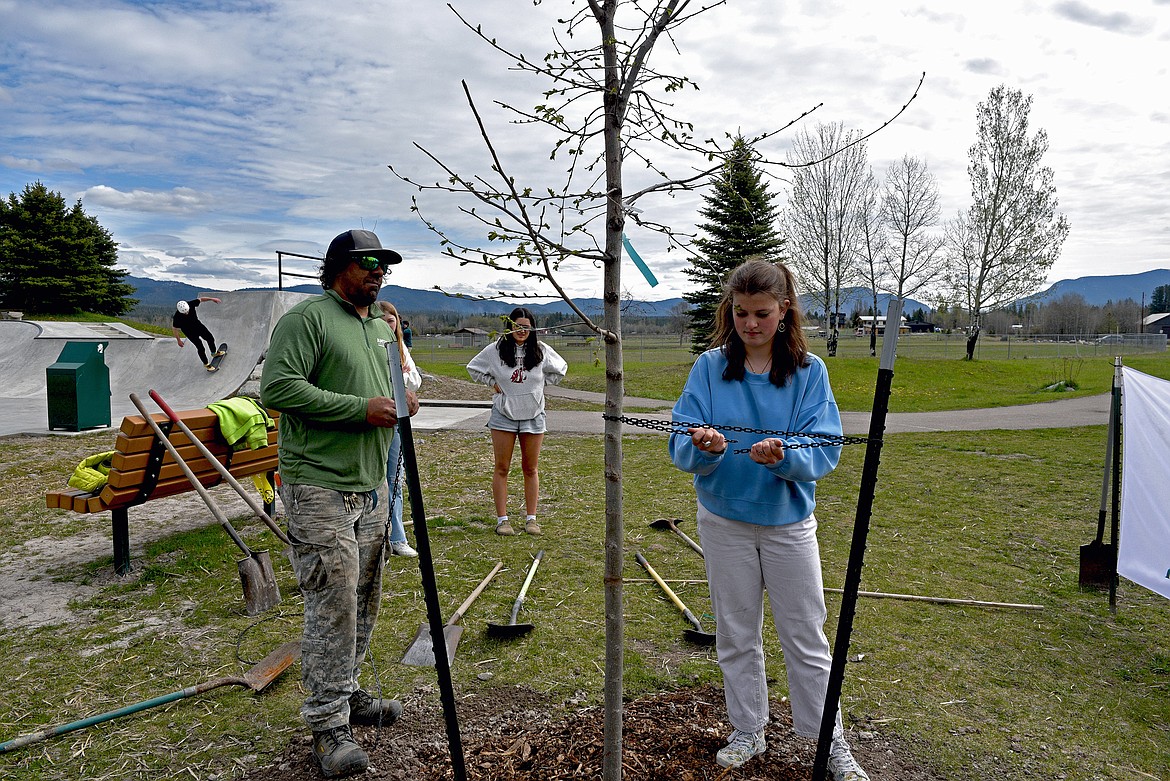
(207, 134)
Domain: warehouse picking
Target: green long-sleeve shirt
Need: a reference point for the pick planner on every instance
(324, 363)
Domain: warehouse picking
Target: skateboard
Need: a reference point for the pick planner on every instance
(217, 359)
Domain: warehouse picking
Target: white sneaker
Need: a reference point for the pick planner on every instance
(741, 747)
(403, 549)
(842, 765)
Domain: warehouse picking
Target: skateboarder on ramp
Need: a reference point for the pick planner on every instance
(186, 321)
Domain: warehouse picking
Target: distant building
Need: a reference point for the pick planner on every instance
(868, 322)
(1157, 324)
(471, 337)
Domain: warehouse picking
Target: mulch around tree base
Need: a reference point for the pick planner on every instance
(510, 734)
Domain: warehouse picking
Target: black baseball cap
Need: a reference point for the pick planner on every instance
(361, 243)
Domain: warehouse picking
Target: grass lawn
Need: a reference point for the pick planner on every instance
(657, 369)
(1071, 691)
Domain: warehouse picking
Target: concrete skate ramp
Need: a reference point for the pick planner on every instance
(138, 362)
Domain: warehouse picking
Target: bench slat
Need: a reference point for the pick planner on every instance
(136, 425)
(135, 463)
(169, 469)
(112, 497)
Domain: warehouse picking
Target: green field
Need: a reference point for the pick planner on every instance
(1071, 691)
(656, 368)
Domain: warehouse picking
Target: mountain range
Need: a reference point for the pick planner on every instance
(1096, 290)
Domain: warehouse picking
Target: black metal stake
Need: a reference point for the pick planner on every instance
(426, 565)
(1115, 510)
(873, 449)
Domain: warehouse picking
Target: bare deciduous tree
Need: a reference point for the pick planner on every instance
(823, 217)
(910, 211)
(606, 105)
(872, 249)
(1002, 247)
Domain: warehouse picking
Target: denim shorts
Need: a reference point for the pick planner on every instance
(501, 422)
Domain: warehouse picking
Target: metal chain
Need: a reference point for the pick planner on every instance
(680, 427)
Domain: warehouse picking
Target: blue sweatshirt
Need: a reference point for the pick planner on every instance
(734, 486)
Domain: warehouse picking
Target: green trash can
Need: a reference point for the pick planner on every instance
(77, 387)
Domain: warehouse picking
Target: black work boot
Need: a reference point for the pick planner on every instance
(337, 753)
(364, 709)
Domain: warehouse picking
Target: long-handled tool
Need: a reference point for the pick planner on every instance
(421, 652)
(256, 679)
(865, 495)
(256, 575)
(696, 635)
(1098, 558)
(672, 524)
(223, 470)
(512, 629)
(426, 566)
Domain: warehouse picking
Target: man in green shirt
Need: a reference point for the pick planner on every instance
(326, 371)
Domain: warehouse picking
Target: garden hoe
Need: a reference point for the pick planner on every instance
(421, 652)
(672, 524)
(512, 629)
(256, 679)
(696, 635)
(256, 575)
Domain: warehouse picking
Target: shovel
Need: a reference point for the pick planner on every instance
(696, 635)
(256, 575)
(223, 470)
(421, 652)
(671, 523)
(256, 679)
(1099, 559)
(512, 629)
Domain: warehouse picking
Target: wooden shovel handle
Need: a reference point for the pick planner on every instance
(474, 594)
(198, 486)
(223, 470)
(661, 583)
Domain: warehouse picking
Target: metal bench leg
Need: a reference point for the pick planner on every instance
(121, 541)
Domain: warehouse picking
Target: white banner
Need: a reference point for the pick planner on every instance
(1143, 553)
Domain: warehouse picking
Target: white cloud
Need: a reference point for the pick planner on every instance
(216, 133)
(180, 200)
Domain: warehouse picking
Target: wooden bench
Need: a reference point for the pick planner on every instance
(143, 470)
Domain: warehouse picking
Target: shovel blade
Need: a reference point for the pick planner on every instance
(259, 581)
(421, 652)
(508, 631)
(1098, 565)
(270, 667)
(699, 637)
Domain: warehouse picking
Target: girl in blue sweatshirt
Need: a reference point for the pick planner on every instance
(755, 509)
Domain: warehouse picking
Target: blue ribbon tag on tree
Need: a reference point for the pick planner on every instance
(641, 264)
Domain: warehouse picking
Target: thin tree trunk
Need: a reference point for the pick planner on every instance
(971, 340)
(614, 391)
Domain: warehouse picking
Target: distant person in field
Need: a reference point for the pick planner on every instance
(407, 334)
(186, 322)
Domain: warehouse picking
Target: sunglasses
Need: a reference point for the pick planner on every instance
(369, 263)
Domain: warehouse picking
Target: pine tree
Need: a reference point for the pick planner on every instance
(741, 223)
(1160, 300)
(58, 260)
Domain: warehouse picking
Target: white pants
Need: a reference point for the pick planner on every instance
(744, 559)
